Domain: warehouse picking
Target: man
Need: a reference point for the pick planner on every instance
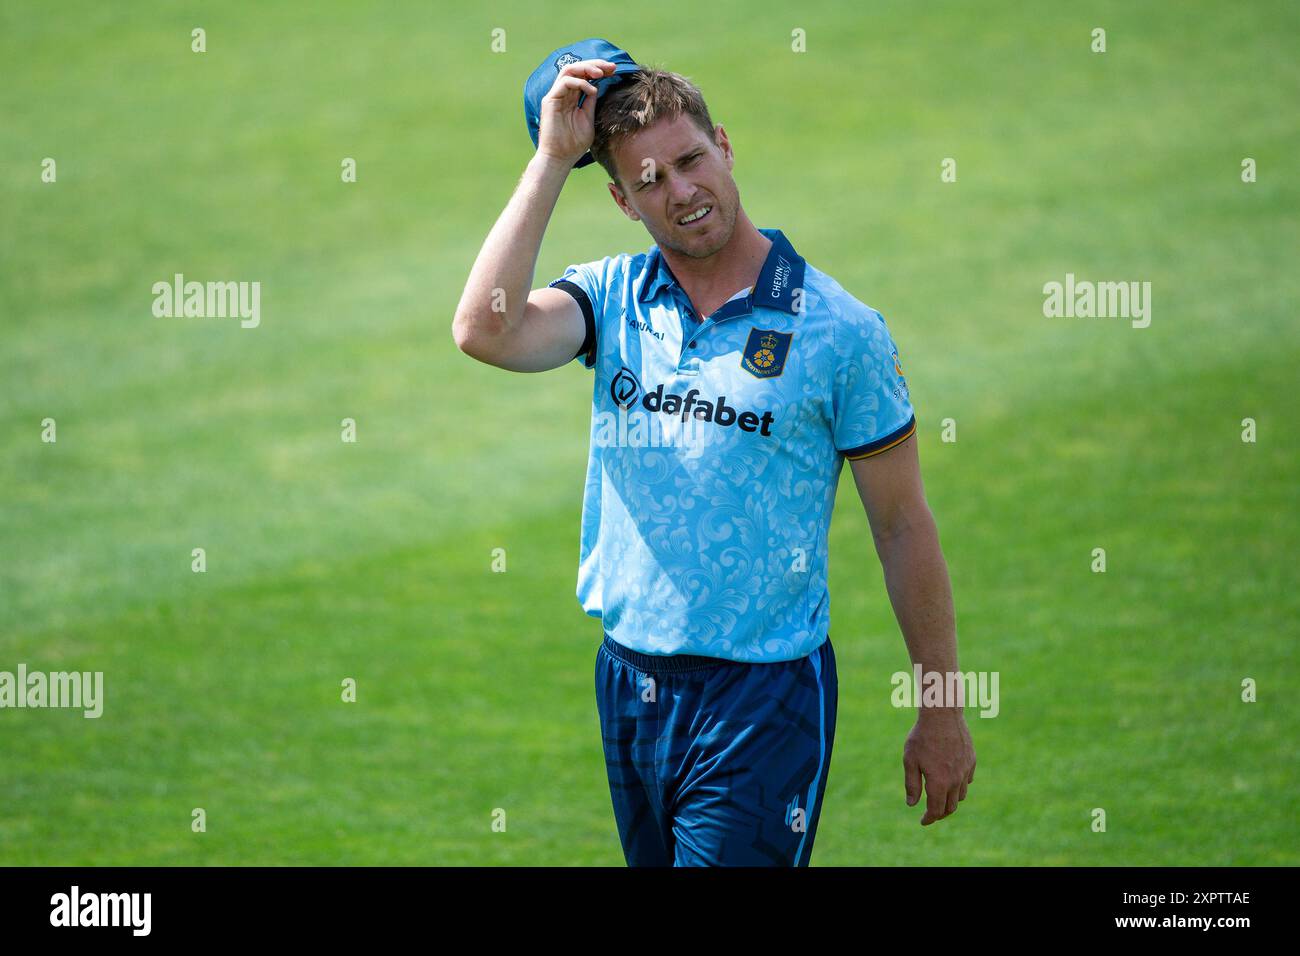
(732, 379)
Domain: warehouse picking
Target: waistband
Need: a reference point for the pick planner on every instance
(662, 663)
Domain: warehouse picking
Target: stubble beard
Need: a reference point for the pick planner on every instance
(726, 209)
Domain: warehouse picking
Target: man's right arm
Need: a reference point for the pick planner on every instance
(499, 321)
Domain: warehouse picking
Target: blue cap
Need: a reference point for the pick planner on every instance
(543, 78)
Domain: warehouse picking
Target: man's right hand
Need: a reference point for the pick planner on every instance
(566, 131)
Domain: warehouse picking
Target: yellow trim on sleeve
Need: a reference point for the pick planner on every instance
(902, 438)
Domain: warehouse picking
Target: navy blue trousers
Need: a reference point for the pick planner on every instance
(714, 762)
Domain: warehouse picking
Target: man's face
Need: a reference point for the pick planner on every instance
(672, 170)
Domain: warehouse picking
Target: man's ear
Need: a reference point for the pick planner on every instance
(620, 200)
(724, 145)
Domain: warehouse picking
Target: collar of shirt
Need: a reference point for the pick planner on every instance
(782, 274)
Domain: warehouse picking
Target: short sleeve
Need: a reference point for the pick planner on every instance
(872, 407)
(586, 283)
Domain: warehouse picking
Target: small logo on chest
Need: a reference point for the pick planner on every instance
(765, 352)
(646, 327)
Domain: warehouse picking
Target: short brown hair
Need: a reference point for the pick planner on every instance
(639, 102)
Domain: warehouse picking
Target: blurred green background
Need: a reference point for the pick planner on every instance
(372, 560)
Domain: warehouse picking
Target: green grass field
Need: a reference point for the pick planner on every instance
(328, 560)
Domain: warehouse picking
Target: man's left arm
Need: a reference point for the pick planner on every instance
(939, 747)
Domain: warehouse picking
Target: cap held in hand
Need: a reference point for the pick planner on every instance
(543, 78)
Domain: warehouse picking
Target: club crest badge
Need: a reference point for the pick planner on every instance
(765, 352)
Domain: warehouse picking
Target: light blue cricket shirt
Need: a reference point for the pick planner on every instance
(716, 450)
